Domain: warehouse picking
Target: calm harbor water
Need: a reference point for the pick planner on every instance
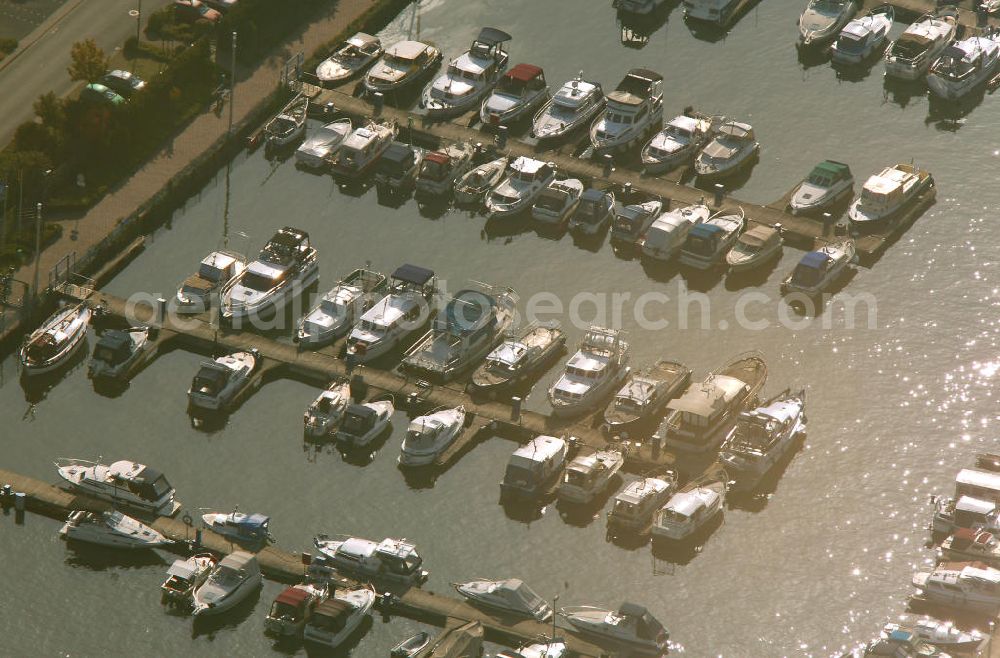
(894, 409)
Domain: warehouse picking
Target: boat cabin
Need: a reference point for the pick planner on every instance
(685, 511)
(972, 512)
(704, 239)
(703, 408)
(244, 527)
(812, 270)
(974, 483)
(215, 269)
(638, 501)
(638, 396)
(435, 167)
(524, 80)
(884, 192)
(632, 221)
(680, 131)
(390, 557)
(593, 207)
(533, 464)
(972, 542)
(733, 136)
(856, 38)
(759, 239)
(412, 278)
(397, 161)
(114, 347)
(626, 102)
(528, 170)
(360, 46)
(644, 626)
(489, 45)
(755, 433)
(408, 54)
(142, 481)
(330, 617)
(287, 247)
(292, 606)
(959, 61)
(587, 471)
(358, 420)
(358, 149)
(210, 379)
(829, 173)
(506, 358)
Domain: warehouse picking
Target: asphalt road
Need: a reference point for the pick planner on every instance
(41, 67)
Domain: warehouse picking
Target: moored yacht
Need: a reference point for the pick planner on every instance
(761, 437)
(124, 482)
(632, 221)
(631, 626)
(469, 77)
(634, 109)
(700, 419)
(690, 509)
(397, 315)
(557, 202)
(754, 248)
(474, 185)
(218, 382)
(340, 307)
(289, 124)
(708, 242)
(324, 414)
(527, 179)
(961, 585)
(587, 476)
(827, 183)
(215, 271)
(572, 107)
(971, 544)
(253, 529)
(519, 92)
(402, 65)
(116, 351)
(234, 579)
(471, 324)
(863, 37)
(322, 146)
(349, 58)
(397, 168)
(510, 595)
(669, 232)
(677, 143)
(909, 56)
(822, 20)
(516, 359)
(110, 529)
(644, 395)
(533, 467)
(594, 214)
(734, 147)
(819, 269)
(965, 512)
(430, 435)
(964, 66)
(184, 576)
(293, 607)
(285, 267)
(942, 634)
(886, 193)
(361, 149)
(336, 618)
(389, 559)
(635, 505)
(598, 366)
(441, 169)
(51, 345)
(363, 423)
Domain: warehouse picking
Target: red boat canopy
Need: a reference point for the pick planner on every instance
(438, 157)
(524, 72)
(293, 596)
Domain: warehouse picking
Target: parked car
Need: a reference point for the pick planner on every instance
(193, 11)
(123, 83)
(98, 93)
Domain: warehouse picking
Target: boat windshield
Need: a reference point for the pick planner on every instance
(356, 425)
(106, 354)
(700, 245)
(806, 276)
(285, 612)
(628, 404)
(227, 578)
(259, 282)
(209, 273)
(850, 43)
(518, 476)
(673, 517)
(624, 508)
(579, 478)
(372, 328)
(433, 170)
(209, 381)
(744, 249)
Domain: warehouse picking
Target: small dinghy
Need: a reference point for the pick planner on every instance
(116, 351)
(690, 509)
(239, 527)
(473, 186)
(411, 646)
(510, 595)
(733, 148)
(634, 506)
(440, 170)
(633, 220)
(941, 634)
(518, 93)
(667, 234)
(677, 143)
(527, 179)
(320, 147)
(469, 77)
(112, 530)
(885, 193)
(292, 609)
(289, 124)
(557, 202)
(323, 415)
(215, 271)
(819, 269)
(515, 360)
(52, 344)
(234, 579)
(909, 56)
(574, 106)
(402, 65)
(631, 626)
(336, 618)
(218, 382)
(349, 59)
(755, 248)
(184, 576)
(429, 436)
(708, 242)
(340, 307)
(822, 20)
(587, 476)
(645, 394)
(363, 423)
(594, 213)
(863, 37)
(827, 183)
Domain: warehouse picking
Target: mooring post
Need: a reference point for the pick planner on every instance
(827, 223)
(720, 191)
(197, 538)
(20, 502)
(161, 310)
(515, 409)
(609, 162)
(378, 99)
(501, 137)
(627, 192)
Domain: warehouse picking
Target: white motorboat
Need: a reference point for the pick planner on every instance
(340, 308)
(634, 506)
(429, 436)
(235, 578)
(761, 437)
(941, 634)
(402, 65)
(473, 322)
(289, 124)
(594, 213)
(322, 146)
(644, 395)
(557, 202)
(401, 312)
(822, 20)
(677, 143)
(396, 171)
(667, 234)
(552, 648)
(253, 529)
(440, 170)
(965, 512)
(116, 351)
(863, 37)
(124, 482)
(819, 269)
(690, 509)
(349, 59)
(714, 12)
(510, 595)
(964, 66)
(587, 476)
(112, 530)
(336, 618)
(827, 183)
(754, 248)
(701, 418)
(911, 55)
(390, 559)
(285, 267)
(51, 345)
(961, 585)
(597, 368)
(709, 241)
(631, 626)
(469, 77)
(634, 109)
(215, 271)
(528, 177)
(520, 92)
(184, 576)
(533, 467)
(898, 643)
(517, 359)
(734, 147)
(574, 106)
(886, 193)
(473, 186)
(363, 423)
(362, 149)
(218, 382)
(293, 607)
(324, 414)
(633, 220)
(971, 544)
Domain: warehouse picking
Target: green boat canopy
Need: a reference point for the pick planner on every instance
(831, 170)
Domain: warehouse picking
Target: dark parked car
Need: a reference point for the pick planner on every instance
(123, 83)
(98, 93)
(193, 11)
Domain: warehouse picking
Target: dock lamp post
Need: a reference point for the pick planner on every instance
(555, 600)
(38, 235)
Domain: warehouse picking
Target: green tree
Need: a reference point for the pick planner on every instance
(88, 61)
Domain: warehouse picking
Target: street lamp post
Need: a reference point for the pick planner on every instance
(138, 22)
